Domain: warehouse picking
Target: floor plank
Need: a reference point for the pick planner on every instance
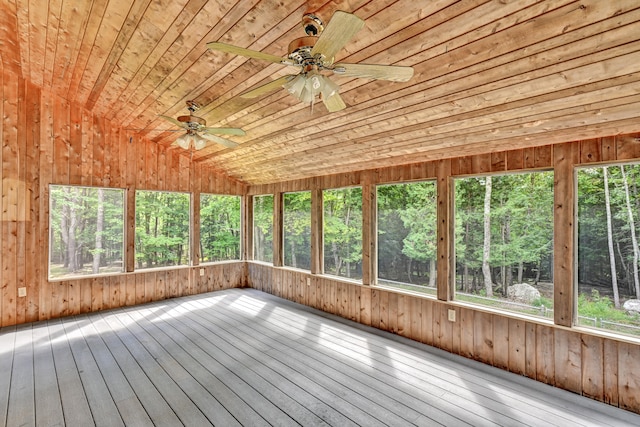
(243, 357)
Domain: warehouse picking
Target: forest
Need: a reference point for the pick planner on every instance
(503, 237)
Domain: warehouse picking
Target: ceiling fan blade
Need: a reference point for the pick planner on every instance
(175, 122)
(266, 88)
(334, 103)
(224, 131)
(394, 73)
(340, 29)
(219, 140)
(223, 47)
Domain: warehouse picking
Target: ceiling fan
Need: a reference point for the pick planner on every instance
(198, 134)
(315, 53)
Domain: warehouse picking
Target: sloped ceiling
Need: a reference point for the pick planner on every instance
(489, 75)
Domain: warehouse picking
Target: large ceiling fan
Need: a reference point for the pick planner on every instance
(198, 134)
(316, 53)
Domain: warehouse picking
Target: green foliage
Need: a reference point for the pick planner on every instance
(343, 232)
(219, 227)
(73, 230)
(162, 229)
(600, 307)
(297, 229)
(263, 228)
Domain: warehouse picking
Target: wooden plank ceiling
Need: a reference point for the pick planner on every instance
(489, 75)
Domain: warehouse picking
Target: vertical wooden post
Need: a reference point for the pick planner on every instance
(444, 280)
(130, 228)
(369, 230)
(317, 244)
(247, 227)
(195, 227)
(565, 156)
(278, 202)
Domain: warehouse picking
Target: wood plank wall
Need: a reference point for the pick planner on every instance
(593, 364)
(46, 140)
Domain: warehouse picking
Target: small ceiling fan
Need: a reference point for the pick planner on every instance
(198, 134)
(316, 53)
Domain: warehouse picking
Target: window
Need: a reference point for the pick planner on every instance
(407, 239)
(504, 242)
(86, 231)
(162, 229)
(607, 275)
(263, 228)
(297, 230)
(219, 227)
(343, 232)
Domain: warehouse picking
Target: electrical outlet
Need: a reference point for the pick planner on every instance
(308, 281)
(22, 292)
(452, 315)
(201, 272)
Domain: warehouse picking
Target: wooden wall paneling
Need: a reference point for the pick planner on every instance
(515, 160)
(86, 146)
(10, 188)
(392, 309)
(568, 360)
(140, 288)
(592, 367)
(529, 157)
(96, 293)
(184, 278)
(20, 188)
(466, 320)
(628, 376)
(426, 318)
(149, 286)
(544, 156)
(565, 156)
(483, 337)
(130, 294)
(590, 150)
(115, 173)
(33, 252)
(61, 120)
(501, 342)
(107, 154)
(151, 165)
(354, 302)
(74, 297)
(611, 375)
(627, 147)
(403, 317)
(365, 305)
(375, 308)
(608, 148)
(498, 161)
(446, 329)
(436, 319)
(481, 163)
(415, 321)
(140, 158)
(75, 146)
(545, 354)
(98, 145)
(517, 346)
(444, 231)
(384, 310)
(45, 168)
(184, 166)
(162, 169)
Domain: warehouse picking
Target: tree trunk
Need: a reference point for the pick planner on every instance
(612, 257)
(97, 253)
(486, 248)
(632, 227)
(71, 236)
(432, 273)
(520, 271)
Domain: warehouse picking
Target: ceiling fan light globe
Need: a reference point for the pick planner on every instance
(199, 142)
(184, 141)
(295, 86)
(328, 87)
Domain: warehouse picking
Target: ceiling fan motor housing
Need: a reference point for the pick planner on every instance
(312, 25)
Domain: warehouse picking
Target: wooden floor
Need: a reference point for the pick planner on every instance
(242, 357)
